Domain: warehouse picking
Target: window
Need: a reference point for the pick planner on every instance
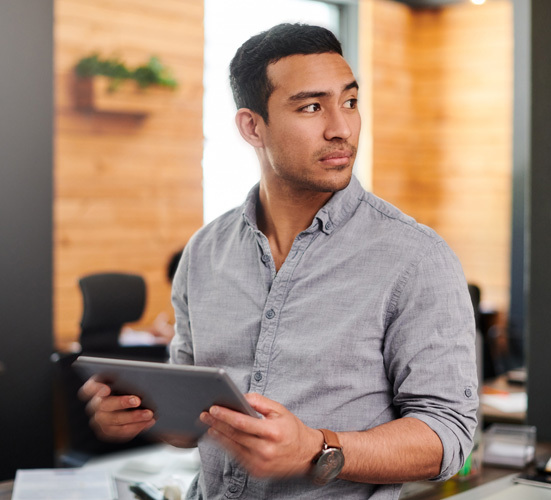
(230, 167)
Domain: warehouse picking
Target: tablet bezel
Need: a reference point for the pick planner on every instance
(163, 388)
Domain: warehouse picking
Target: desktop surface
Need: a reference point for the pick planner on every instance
(492, 483)
(6, 488)
(491, 480)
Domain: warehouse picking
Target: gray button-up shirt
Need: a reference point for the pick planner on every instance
(368, 320)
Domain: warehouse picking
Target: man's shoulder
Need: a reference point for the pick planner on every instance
(219, 228)
(394, 221)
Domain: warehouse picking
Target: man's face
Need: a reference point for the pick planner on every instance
(311, 139)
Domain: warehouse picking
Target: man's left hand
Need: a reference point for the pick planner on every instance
(278, 445)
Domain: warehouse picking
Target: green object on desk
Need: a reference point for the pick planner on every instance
(467, 467)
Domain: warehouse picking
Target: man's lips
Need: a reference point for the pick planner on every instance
(337, 158)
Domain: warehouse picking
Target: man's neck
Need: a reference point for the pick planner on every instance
(284, 213)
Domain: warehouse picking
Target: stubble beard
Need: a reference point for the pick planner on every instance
(304, 180)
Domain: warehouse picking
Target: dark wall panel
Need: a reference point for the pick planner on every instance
(26, 104)
(521, 166)
(538, 268)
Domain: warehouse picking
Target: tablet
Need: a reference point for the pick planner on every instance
(177, 394)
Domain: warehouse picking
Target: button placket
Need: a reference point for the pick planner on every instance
(274, 302)
(235, 489)
(237, 482)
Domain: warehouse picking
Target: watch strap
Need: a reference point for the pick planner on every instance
(330, 438)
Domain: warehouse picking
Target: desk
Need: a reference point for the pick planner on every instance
(6, 488)
(176, 466)
(484, 485)
(425, 490)
(480, 484)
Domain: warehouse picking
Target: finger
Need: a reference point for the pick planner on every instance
(122, 418)
(93, 388)
(119, 432)
(230, 422)
(113, 403)
(242, 437)
(116, 403)
(265, 406)
(122, 425)
(236, 448)
(244, 455)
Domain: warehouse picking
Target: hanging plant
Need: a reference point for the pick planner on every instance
(152, 73)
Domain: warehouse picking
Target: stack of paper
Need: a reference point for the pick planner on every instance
(63, 484)
(514, 402)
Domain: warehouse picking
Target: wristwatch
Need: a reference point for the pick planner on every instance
(329, 462)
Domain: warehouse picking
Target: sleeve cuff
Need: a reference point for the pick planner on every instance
(455, 451)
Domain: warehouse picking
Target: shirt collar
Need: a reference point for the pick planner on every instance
(340, 206)
(249, 207)
(334, 213)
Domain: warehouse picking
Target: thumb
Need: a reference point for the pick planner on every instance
(265, 406)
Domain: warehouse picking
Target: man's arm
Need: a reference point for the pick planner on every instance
(402, 450)
(280, 445)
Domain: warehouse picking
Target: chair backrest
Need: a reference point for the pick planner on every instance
(110, 300)
(474, 292)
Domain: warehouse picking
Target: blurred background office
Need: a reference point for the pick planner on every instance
(455, 108)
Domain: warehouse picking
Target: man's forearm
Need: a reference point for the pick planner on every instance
(402, 450)
(281, 445)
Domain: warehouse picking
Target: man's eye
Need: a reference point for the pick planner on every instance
(351, 103)
(311, 108)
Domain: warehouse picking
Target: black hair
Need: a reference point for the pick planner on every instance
(249, 81)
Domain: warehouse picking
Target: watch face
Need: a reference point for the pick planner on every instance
(328, 465)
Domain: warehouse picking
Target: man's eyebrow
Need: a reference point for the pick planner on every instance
(301, 96)
(352, 85)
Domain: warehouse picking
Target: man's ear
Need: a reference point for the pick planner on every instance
(250, 126)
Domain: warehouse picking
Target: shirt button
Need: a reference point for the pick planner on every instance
(270, 313)
(233, 488)
(265, 258)
(258, 376)
(328, 226)
(468, 393)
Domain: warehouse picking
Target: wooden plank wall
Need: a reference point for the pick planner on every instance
(128, 190)
(442, 88)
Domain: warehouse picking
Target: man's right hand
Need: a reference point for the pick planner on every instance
(112, 417)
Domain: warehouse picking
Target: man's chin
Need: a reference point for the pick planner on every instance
(336, 183)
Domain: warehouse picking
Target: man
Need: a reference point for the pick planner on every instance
(330, 307)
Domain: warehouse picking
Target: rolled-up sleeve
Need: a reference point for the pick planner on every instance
(430, 352)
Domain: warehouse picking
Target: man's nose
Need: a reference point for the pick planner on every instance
(337, 125)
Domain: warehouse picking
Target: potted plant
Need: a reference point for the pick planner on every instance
(110, 85)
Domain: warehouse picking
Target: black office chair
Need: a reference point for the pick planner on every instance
(474, 292)
(111, 300)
